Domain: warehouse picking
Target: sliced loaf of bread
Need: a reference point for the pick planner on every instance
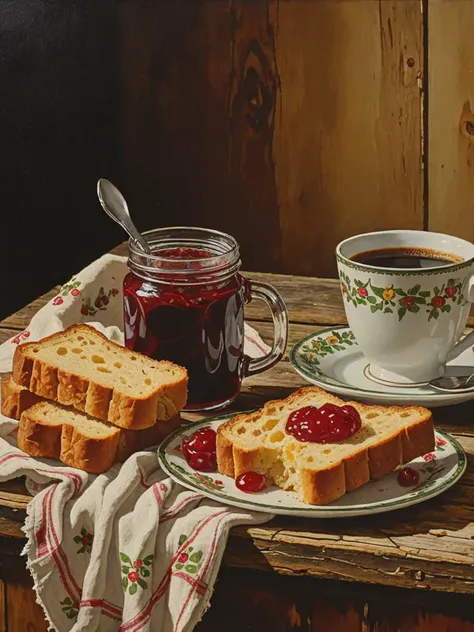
(80, 367)
(14, 398)
(321, 473)
(50, 430)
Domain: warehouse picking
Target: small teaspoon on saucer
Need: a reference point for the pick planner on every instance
(449, 384)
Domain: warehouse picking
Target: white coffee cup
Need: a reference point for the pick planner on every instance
(407, 321)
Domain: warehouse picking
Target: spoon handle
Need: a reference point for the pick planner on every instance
(116, 208)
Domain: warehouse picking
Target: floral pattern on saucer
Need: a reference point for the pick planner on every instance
(390, 299)
(332, 359)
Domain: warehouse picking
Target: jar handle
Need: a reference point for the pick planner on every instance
(275, 302)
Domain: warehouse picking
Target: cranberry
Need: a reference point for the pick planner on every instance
(451, 291)
(137, 563)
(202, 441)
(87, 540)
(327, 424)
(362, 291)
(183, 558)
(250, 482)
(203, 461)
(408, 477)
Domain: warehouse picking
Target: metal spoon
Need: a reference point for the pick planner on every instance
(115, 206)
(450, 384)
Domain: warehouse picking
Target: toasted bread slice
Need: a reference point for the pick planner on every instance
(321, 473)
(80, 367)
(14, 398)
(50, 430)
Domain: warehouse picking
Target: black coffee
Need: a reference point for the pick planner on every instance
(406, 258)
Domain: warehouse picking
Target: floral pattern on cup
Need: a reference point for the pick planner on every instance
(390, 299)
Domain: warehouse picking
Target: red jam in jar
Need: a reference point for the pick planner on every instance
(184, 303)
(200, 450)
(327, 424)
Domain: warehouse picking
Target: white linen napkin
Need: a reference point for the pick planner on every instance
(130, 549)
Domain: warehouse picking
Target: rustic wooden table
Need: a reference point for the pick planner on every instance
(410, 570)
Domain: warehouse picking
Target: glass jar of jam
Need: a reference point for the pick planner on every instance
(185, 303)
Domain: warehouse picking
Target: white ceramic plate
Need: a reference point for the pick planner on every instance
(438, 471)
(332, 359)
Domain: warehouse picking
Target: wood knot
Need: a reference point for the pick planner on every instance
(419, 576)
(410, 62)
(466, 121)
(257, 86)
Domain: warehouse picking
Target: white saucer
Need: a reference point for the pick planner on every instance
(332, 359)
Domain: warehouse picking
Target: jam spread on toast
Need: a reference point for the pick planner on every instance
(327, 424)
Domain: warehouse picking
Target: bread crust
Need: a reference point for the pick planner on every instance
(69, 444)
(86, 453)
(105, 403)
(14, 398)
(320, 487)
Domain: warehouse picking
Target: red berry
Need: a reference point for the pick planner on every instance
(407, 301)
(58, 301)
(183, 558)
(137, 563)
(362, 291)
(133, 576)
(451, 291)
(327, 424)
(250, 482)
(75, 292)
(87, 540)
(200, 450)
(438, 301)
(408, 477)
(202, 441)
(84, 310)
(203, 461)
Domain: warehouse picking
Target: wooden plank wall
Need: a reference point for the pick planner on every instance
(450, 116)
(293, 124)
(290, 124)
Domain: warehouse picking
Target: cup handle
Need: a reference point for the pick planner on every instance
(467, 341)
(268, 294)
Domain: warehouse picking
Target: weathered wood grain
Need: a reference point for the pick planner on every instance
(7, 333)
(303, 127)
(451, 117)
(347, 147)
(23, 614)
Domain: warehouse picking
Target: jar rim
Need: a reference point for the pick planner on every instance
(224, 259)
(159, 233)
